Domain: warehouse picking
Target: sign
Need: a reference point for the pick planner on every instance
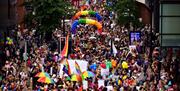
(85, 84)
(132, 47)
(104, 71)
(82, 64)
(100, 83)
(134, 36)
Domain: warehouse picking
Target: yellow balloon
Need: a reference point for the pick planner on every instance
(84, 12)
(124, 77)
(90, 21)
(124, 65)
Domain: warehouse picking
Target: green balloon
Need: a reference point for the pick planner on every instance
(92, 12)
(108, 64)
(82, 21)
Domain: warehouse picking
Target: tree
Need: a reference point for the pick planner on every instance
(126, 11)
(47, 15)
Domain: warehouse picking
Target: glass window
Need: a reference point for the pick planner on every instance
(170, 9)
(170, 24)
(170, 40)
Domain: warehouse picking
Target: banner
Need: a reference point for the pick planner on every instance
(100, 83)
(104, 72)
(82, 64)
(85, 84)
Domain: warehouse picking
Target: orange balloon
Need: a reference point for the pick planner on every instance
(114, 63)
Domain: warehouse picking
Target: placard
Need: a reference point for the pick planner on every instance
(85, 84)
(82, 64)
(104, 72)
(135, 36)
(100, 83)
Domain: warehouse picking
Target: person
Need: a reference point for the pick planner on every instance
(141, 74)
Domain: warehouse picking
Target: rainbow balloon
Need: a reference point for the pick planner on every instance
(93, 13)
(86, 21)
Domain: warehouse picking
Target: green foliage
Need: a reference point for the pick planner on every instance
(126, 11)
(47, 14)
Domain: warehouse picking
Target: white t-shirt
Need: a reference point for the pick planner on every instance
(109, 88)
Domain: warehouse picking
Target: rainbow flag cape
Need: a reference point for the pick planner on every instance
(77, 68)
(64, 52)
(66, 68)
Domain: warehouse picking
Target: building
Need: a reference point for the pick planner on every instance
(8, 16)
(144, 11)
(169, 23)
(20, 14)
(165, 20)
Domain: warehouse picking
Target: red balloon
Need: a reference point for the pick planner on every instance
(103, 65)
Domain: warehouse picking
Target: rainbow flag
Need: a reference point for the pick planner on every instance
(77, 68)
(64, 52)
(66, 68)
(119, 82)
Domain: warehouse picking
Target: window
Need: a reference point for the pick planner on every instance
(170, 24)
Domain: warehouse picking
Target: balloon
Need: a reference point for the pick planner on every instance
(84, 12)
(89, 21)
(124, 65)
(92, 12)
(124, 77)
(73, 29)
(103, 65)
(95, 14)
(98, 17)
(113, 63)
(9, 41)
(82, 21)
(86, 21)
(84, 7)
(108, 64)
(93, 66)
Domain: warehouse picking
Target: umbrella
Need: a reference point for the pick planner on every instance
(42, 74)
(86, 74)
(76, 77)
(45, 80)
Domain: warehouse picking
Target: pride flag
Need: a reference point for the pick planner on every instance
(64, 52)
(66, 68)
(77, 68)
(119, 82)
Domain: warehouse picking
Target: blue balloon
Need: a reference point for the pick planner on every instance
(74, 25)
(98, 17)
(93, 66)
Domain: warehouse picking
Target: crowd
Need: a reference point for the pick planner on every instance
(145, 72)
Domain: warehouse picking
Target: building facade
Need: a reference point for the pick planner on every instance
(169, 23)
(8, 15)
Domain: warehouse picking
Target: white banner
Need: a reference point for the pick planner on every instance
(82, 64)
